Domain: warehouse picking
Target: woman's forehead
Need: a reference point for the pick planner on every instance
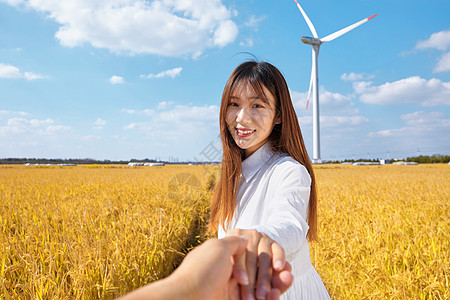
(244, 86)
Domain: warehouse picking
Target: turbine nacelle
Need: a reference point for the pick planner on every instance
(311, 40)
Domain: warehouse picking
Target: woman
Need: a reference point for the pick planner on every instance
(266, 190)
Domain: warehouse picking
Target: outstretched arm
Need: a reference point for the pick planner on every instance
(206, 273)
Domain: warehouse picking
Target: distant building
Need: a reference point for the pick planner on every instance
(155, 164)
(141, 164)
(366, 163)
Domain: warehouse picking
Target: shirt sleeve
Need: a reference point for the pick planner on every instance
(285, 213)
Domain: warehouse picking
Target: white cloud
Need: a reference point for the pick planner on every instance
(184, 113)
(164, 104)
(411, 90)
(362, 86)
(10, 112)
(116, 79)
(162, 27)
(13, 2)
(419, 127)
(439, 40)
(31, 127)
(91, 138)
(99, 123)
(443, 64)
(356, 76)
(172, 73)
(10, 71)
(146, 112)
(129, 111)
(248, 42)
(181, 123)
(253, 22)
(341, 122)
(57, 129)
(32, 76)
(226, 32)
(167, 112)
(328, 101)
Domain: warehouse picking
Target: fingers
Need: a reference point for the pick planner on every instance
(264, 268)
(274, 294)
(235, 244)
(282, 280)
(251, 266)
(261, 270)
(278, 257)
(247, 262)
(240, 268)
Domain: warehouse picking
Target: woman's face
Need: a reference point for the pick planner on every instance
(249, 118)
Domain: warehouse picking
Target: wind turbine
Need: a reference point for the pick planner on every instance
(315, 41)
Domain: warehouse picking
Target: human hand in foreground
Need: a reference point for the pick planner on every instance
(262, 260)
(206, 273)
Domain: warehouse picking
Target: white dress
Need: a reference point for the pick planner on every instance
(273, 197)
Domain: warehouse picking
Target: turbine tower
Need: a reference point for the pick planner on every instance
(315, 41)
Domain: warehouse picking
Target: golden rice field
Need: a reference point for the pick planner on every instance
(97, 232)
(384, 231)
(93, 232)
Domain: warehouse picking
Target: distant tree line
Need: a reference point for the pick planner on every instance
(434, 159)
(422, 159)
(78, 161)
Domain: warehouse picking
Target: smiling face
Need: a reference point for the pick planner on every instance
(250, 118)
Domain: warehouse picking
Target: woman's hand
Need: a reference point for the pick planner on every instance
(256, 266)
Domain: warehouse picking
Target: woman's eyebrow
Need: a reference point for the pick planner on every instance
(263, 99)
(253, 98)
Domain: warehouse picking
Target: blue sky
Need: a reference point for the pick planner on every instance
(122, 79)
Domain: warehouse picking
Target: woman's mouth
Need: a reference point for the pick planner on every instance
(243, 132)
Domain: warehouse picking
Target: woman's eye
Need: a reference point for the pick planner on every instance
(233, 104)
(257, 106)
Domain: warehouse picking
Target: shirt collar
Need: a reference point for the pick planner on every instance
(252, 164)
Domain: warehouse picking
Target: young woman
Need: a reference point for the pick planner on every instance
(266, 190)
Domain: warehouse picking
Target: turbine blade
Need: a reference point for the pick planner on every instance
(310, 81)
(309, 91)
(346, 29)
(308, 21)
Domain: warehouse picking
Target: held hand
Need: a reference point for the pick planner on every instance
(262, 261)
(207, 270)
(206, 273)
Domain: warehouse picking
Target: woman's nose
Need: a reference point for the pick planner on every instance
(242, 116)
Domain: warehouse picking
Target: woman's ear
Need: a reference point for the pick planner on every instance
(277, 119)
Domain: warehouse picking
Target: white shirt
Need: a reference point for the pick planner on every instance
(273, 197)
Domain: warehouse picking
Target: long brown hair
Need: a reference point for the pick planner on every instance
(285, 137)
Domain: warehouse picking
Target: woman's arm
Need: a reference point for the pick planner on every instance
(284, 217)
(282, 231)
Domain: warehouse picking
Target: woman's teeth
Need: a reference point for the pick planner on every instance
(244, 131)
